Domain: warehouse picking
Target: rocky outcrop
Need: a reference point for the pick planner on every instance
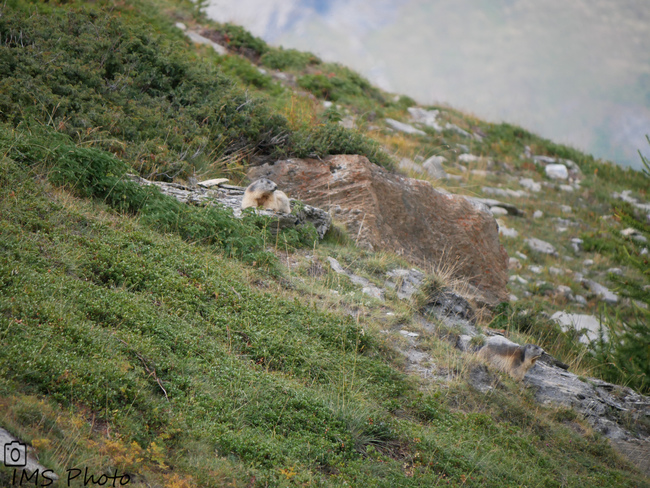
(609, 408)
(217, 192)
(410, 217)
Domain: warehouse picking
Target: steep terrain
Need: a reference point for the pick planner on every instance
(180, 346)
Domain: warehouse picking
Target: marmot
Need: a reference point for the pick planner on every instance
(511, 358)
(264, 193)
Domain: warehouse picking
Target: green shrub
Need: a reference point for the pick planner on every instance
(242, 41)
(113, 83)
(90, 172)
(284, 59)
(331, 138)
(340, 84)
(626, 356)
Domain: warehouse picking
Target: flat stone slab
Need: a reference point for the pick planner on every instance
(404, 281)
(229, 196)
(199, 39)
(541, 246)
(601, 291)
(406, 128)
(214, 182)
(588, 325)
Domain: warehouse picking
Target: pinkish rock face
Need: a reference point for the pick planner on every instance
(386, 211)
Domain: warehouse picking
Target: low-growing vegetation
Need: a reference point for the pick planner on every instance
(182, 347)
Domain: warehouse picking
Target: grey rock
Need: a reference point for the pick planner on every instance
(601, 403)
(457, 130)
(601, 291)
(521, 255)
(367, 287)
(373, 291)
(571, 165)
(506, 231)
(409, 334)
(504, 192)
(555, 271)
(518, 279)
(199, 39)
(626, 197)
(403, 127)
(426, 117)
(538, 214)
(433, 166)
(407, 164)
(544, 159)
(576, 244)
(616, 271)
(567, 188)
(557, 171)
(480, 378)
(468, 158)
(230, 196)
(211, 183)
(535, 269)
(541, 246)
(530, 184)
(566, 209)
(588, 326)
(489, 202)
(498, 211)
(451, 306)
(405, 282)
(588, 262)
(634, 234)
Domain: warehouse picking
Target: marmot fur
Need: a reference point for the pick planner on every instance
(511, 358)
(264, 193)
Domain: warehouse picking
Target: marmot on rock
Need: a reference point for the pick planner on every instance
(511, 358)
(264, 193)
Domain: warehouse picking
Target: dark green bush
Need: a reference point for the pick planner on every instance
(92, 173)
(242, 41)
(114, 83)
(340, 84)
(284, 59)
(626, 356)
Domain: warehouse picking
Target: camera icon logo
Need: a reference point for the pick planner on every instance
(15, 455)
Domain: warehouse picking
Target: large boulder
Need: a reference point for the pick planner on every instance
(387, 211)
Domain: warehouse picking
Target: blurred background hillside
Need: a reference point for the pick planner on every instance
(577, 72)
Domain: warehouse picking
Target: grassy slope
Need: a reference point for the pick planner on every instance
(138, 348)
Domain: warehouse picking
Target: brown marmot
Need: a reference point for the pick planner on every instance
(264, 193)
(511, 358)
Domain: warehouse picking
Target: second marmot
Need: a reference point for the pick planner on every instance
(511, 358)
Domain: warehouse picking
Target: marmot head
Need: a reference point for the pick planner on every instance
(263, 185)
(532, 352)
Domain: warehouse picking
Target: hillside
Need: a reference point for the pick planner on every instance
(575, 73)
(179, 346)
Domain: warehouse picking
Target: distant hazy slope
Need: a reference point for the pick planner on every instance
(577, 72)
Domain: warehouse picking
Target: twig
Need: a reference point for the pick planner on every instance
(152, 372)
